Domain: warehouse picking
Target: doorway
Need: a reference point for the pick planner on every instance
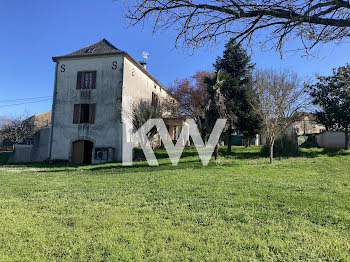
(82, 152)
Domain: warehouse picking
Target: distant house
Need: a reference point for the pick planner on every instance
(302, 124)
(305, 123)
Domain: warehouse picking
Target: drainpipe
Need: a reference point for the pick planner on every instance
(53, 110)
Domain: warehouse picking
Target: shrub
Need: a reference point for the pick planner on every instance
(285, 146)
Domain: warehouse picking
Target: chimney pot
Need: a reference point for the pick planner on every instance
(143, 63)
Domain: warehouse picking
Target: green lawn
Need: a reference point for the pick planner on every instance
(241, 210)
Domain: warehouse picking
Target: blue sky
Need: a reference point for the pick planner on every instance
(34, 31)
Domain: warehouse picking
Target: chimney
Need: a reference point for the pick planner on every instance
(143, 63)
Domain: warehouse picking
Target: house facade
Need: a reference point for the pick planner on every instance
(94, 90)
(302, 125)
(305, 123)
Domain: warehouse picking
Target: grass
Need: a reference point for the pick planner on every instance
(240, 210)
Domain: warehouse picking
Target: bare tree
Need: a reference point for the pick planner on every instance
(143, 110)
(191, 94)
(280, 96)
(200, 22)
(17, 128)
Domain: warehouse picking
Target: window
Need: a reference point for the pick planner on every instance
(155, 99)
(86, 80)
(84, 113)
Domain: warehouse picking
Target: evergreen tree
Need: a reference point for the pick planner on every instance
(238, 91)
(332, 95)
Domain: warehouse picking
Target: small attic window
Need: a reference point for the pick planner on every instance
(90, 50)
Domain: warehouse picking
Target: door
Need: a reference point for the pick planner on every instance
(82, 152)
(88, 151)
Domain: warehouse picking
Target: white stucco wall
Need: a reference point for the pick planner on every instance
(137, 85)
(330, 139)
(107, 129)
(115, 92)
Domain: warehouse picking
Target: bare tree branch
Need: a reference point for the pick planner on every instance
(202, 22)
(280, 96)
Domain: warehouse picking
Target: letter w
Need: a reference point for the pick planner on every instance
(189, 129)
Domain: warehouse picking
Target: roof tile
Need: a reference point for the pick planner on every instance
(102, 47)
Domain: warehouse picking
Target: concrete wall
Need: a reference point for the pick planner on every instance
(37, 152)
(330, 139)
(106, 132)
(21, 154)
(40, 150)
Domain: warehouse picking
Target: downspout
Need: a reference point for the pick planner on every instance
(53, 110)
(121, 110)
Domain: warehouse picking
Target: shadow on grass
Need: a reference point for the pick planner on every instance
(317, 152)
(189, 159)
(238, 152)
(241, 153)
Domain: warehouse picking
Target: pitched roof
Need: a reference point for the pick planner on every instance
(300, 116)
(102, 47)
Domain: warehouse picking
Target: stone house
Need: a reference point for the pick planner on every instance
(94, 89)
(305, 123)
(302, 124)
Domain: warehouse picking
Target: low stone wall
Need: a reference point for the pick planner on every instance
(331, 139)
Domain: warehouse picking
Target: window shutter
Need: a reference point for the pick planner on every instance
(76, 114)
(79, 77)
(92, 113)
(93, 73)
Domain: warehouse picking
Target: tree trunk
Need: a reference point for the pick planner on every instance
(271, 150)
(229, 141)
(346, 139)
(216, 154)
